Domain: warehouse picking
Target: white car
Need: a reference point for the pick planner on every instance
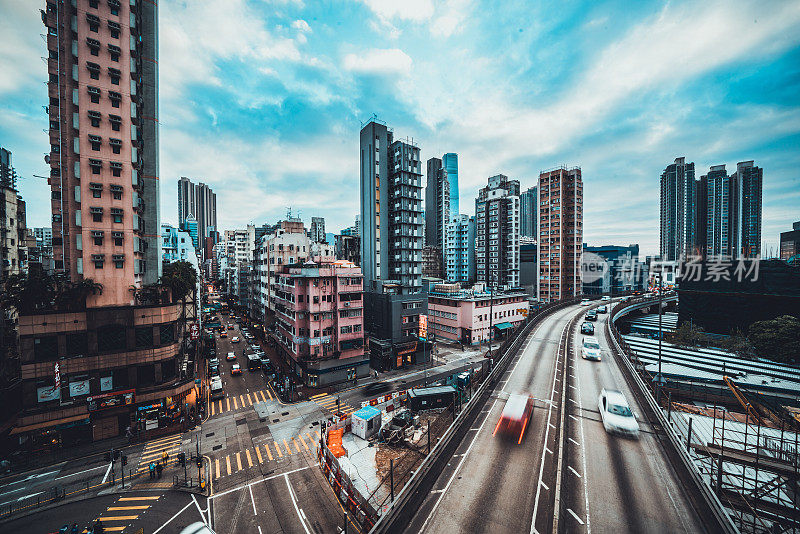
(231, 356)
(606, 298)
(585, 302)
(590, 350)
(616, 414)
(235, 340)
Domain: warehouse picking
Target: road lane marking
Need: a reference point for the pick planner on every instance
(548, 450)
(278, 448)
(574, 472)
(263, 398)
(157, 453)
(241, 400)
(118, 508)
(228, 464)
(294, 502)
(575, 442)
(318, 396)
(213, 410)
(249, 459)
(269, 453)
(110, 465)
(545, 485)
(179, 512)
(318, 435)
(155, 442)
(216, 464)
(235, 406)
(303, 442)
(258, 454)
(228, 403)
(270, 395)
(144, 498)
(573, 514)
(288, 450)
(296, 446)
(574, 417)
(220, 406)
(253, 500)
(238, 461)
(118, 518)
(114, 529)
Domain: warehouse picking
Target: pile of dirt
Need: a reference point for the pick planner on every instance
(384, 454)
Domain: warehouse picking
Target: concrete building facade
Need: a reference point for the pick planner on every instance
(199, 201)
(678, 211)
(497, 233)
(528, 211)
(460, 250)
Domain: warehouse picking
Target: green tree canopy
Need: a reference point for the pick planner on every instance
(777, 339)
(181, 279)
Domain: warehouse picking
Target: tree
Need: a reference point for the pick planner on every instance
(777, 339)
(686, 335)
(181, 279)
(38, 291)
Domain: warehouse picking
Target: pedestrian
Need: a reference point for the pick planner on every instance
(152, 471)
(74, 528)
(159, 468)
(164, 457)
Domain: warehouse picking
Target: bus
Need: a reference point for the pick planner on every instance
(217, 392)
(253, 362)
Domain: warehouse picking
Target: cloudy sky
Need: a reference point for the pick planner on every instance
(263, 100)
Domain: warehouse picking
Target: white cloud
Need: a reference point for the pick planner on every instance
(21, 46)
(301, 25)
(413, 10)
(450, 17)
(379, 61)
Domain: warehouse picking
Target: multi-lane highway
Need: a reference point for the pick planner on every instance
(606, 483)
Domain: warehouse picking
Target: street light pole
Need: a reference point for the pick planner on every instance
(660, 331)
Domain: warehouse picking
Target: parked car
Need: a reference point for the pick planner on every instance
(213, 361)
(587, 328)
(213, 370)
(236, 369)
(616, 413)
(231, 356)
(223, 334)
(602, 309)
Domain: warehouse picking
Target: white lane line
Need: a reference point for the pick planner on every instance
(22, 498)
(573, 514)
(159, 529)
(258, 482)
(546, 433)
(453, 476)
(574, 472)
(197, 504)
(79, 472)
(294, 502)
(545, 486)
(31, 477)
(583, 460)
(574, 417)
(575, 442)
(548, 450)
(259, 529)
(110, 465)
(252, 500)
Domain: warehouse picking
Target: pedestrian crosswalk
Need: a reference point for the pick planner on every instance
(124, 511)
(329, 402)
(154, 451)
(237, 402)
(264, 452)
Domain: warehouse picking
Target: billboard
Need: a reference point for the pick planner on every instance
(423, 327)
(79, 387)
(48, 393)
(110, 400)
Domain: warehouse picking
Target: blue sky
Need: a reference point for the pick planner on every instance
(263, 100)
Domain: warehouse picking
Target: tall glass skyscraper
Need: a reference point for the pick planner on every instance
(450, 164)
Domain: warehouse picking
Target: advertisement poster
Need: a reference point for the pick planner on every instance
(106, 383)
(110, 400)
(48, 393)
(78, 388)
(423, 327)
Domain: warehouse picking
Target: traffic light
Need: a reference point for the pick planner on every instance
(199, 462)
(124, 460)
(182, 459)
(116, 455)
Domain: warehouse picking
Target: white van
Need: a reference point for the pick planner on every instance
(216, 388)
(590, 349)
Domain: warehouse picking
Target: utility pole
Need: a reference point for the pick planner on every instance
(660, 331)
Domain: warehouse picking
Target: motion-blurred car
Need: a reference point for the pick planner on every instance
(213, 370)
(591, 315)
(376, 387)
(602, 309)
(605, 298)
(616, 414)
(231, 356)
(585, 302)
(235, 339)
(587, 328)
(590, 349)
(236, 369)
(515, 416)
(213, 361)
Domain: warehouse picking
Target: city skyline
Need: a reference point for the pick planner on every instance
(238, 98)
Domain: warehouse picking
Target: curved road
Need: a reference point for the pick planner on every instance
(492, 484)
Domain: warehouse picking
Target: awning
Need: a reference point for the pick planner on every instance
(503, 326)
(45, 424)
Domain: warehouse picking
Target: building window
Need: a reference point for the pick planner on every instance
(94, 22)
(111, 338)
(114, 74)
(116, 122)
(95, 142)
(118, 238)
(116, 145)
(93, 3)
(77, 345)
(144, 337)
(115, 98)
(94, 94)
(114, 51)
(45, 348)
(114, 28)
(97, 214)
(119, 261)
(97, 238)
(167, 333)
(116, 215)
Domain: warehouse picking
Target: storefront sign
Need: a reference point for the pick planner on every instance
(153, 406)
(48, 393)
(58, 376)
(78, 388)
(194, 332)
(106, 383)
(423, 327)
(110, 400)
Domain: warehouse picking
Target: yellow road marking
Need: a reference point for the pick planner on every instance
(288, 450)
(296, 446)
(228, 402)
(146, 498)
(266, 448)
(157, 453)
(249, 460)
(318, 434)
(238, 461)
(216, 463)
(278, 448)
(235, 407)
(114, 529)
(117, 508)
(228, 464)
(213, 410)
(251, 400)
(118, 518)
(263, 398)
(303, 441)
(319, 396)
(241, 401)
(270, 395)
(161, 440)
(220, 406)
(258, 453)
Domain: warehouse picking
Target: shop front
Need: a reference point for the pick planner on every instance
(49, 436)
(110, 413)
(159, 416)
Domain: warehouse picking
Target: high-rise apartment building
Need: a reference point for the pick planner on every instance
(391, 244)
(678, 210)
(497, 233)
(749, 187)
(13, 246)
(437, 204)
(460, 250)
(201, 202)
(560, 234)
(450, 164)
(528, 209)
(103, 108)
(317, 231)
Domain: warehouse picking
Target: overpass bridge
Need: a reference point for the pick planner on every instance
(567, 474)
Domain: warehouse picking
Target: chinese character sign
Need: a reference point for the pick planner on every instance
(423, 327)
